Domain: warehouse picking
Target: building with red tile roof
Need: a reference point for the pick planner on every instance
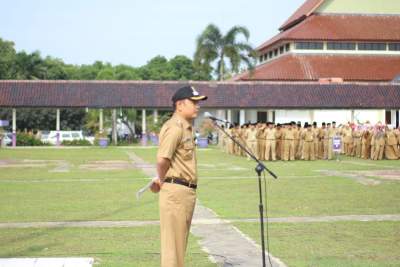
(330, 38)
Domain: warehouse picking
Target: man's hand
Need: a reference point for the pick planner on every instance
(156, 186)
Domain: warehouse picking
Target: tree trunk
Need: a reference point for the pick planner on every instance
(221, 68)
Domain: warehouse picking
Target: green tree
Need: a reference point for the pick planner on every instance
(30, 66)
(7, 59)
(212, 46)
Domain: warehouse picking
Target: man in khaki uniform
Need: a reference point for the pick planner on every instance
(270, 142)
(252, 140)
(379, 144)
(366, 144)
(278, 137)
(391, 150)
(296, 130)
(177, 176)
(308, 145)
(288, 137)
(321, 136)
(261, 141)
(315, 131)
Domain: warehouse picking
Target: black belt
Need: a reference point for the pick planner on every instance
(180, 181)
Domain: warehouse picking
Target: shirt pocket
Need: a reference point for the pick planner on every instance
(188, 150)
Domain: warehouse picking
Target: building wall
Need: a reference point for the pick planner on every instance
(360, 6)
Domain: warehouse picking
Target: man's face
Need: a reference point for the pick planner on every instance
(188, 108)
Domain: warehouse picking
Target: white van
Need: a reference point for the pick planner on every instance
(64, 135)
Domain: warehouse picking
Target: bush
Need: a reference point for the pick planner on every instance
(79, 142)
(24, 139)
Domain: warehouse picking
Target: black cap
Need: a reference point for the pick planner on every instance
(323, 123)
(187, 92)
(314, 123)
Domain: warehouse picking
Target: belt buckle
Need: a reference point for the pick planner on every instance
(172, 180)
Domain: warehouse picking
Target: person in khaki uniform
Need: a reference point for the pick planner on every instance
(297, 140)
(177, 176)
(391, 150)
(278, 138)
(261, 141)
(321, 136)
(288, 137)
(243, 137)
(315, 131)
(373, 143)
(252, 140)
(366, 144)
(270, 142)
(379, 144)
(308, 146)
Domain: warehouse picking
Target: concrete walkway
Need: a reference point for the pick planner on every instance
(46, 262)
(200, 219)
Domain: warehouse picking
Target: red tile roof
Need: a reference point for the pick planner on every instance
(157, 94)
(301, 13)
(307, 67)
(342, 28)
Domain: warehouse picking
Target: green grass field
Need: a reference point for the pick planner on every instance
(35, 192)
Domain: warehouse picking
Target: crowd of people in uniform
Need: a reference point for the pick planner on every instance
(291, 141)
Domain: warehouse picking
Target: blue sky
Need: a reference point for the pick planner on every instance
(129, 31)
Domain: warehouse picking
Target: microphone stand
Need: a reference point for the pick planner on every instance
(259, 169)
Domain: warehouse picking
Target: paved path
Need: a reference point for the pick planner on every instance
(223, 242)
(46, 262)
(200, 220)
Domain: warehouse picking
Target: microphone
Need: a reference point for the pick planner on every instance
(211, 117)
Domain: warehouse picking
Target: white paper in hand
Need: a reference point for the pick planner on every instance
(145, 188)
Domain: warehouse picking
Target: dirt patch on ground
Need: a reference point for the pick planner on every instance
(106, 165)
(383, 174)
(29, 163)
(357, 176)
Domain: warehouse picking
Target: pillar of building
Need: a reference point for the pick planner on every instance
(270, 115)
(114, 126)
(242, 117)
(14, 127)
(155, 116)
(312, 116)
(58, 127)
(229, 116)
(144, 135)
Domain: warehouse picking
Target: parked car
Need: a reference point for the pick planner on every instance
(7, 139)
(51, 138)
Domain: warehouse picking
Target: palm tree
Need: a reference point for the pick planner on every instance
(212, 46)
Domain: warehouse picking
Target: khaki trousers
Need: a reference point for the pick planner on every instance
(176, 211)
(308, 151)
(288, 153)
(270, 149)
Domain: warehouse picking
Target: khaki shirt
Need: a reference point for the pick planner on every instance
(177, 145)
(270, 134)
(252, 135)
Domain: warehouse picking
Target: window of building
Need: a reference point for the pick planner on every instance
(309, 45)
(281, 49)
(341, 46)
(276, 52)
(371, 46)
(270, 54)
(394, 46)
(262, 116)
(287, 47)
(261, 59)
